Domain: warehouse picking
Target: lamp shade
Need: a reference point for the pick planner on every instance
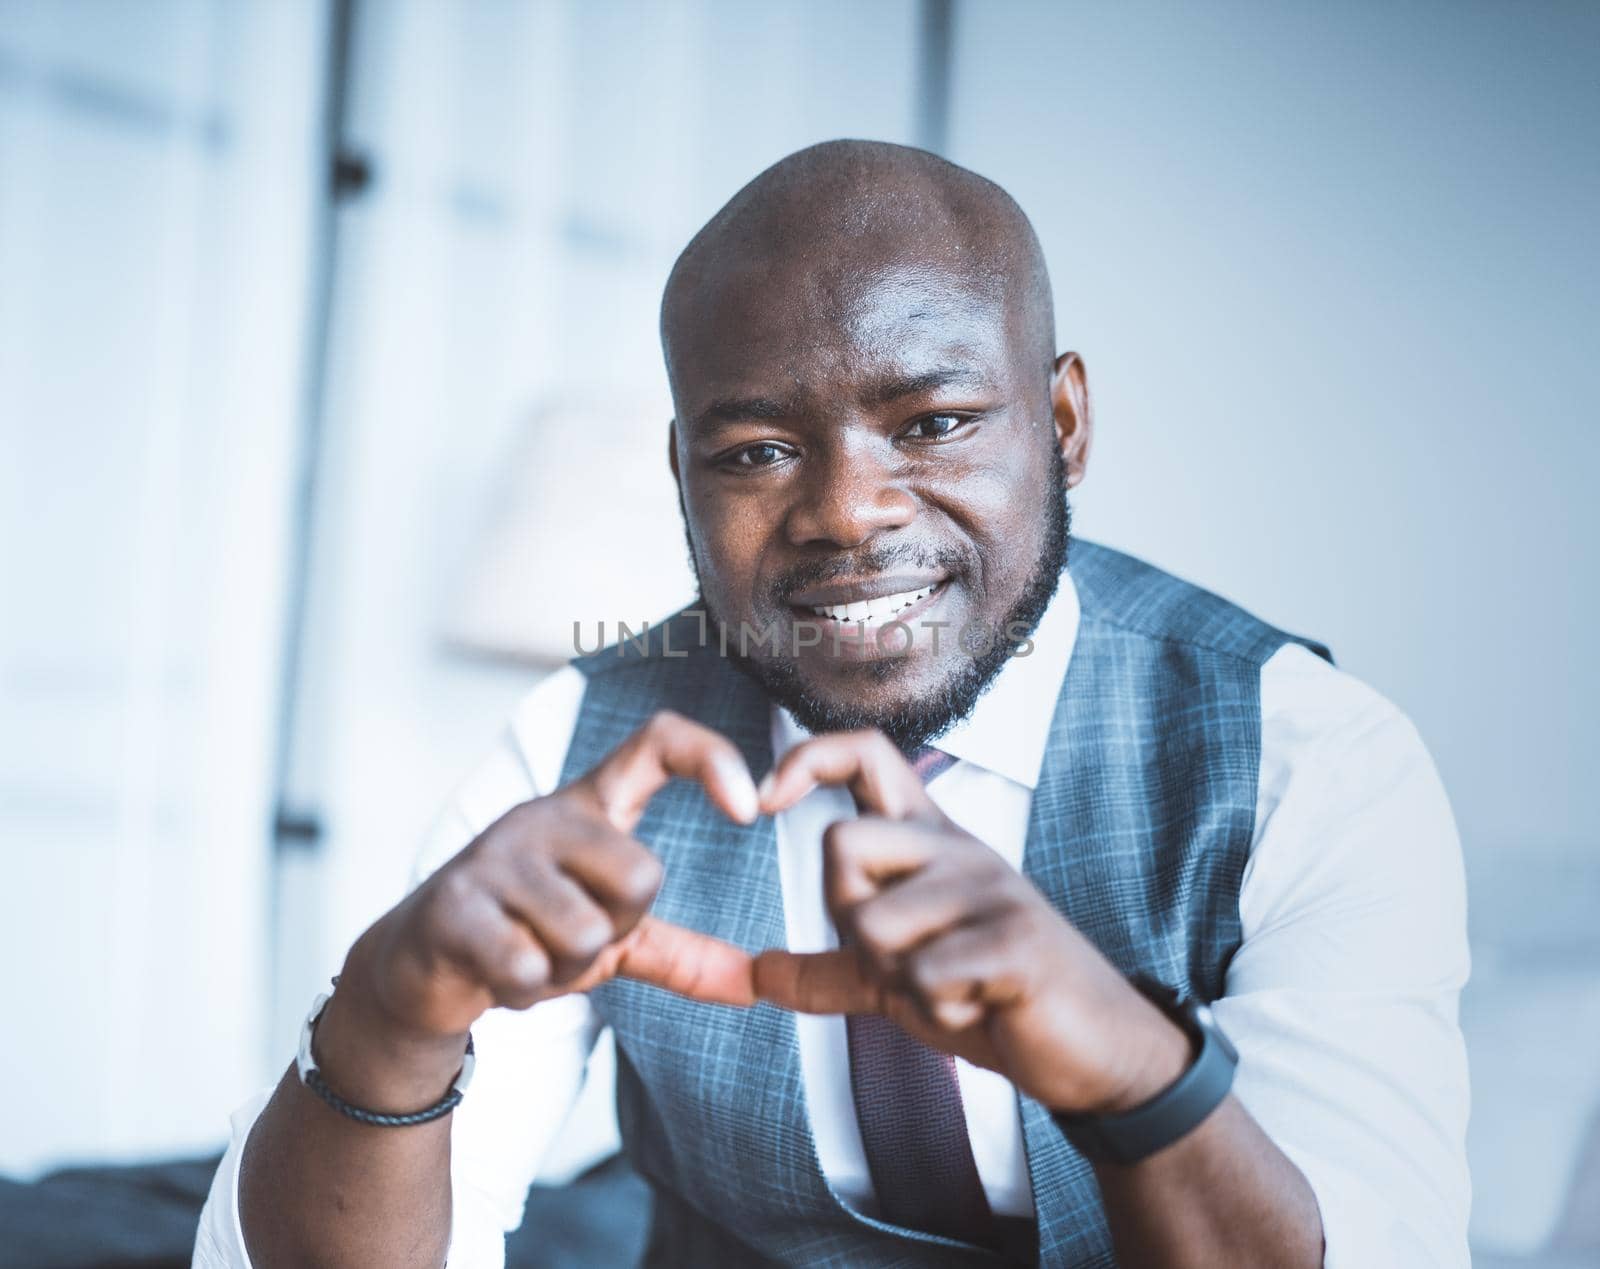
(582, 526)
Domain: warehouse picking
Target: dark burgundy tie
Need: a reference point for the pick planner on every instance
(908, 1103)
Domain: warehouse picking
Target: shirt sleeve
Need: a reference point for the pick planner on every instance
(530, 1064)
(1342, 999)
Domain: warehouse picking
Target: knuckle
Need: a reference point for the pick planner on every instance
(956, 1015)
(588, 937)
(721, 754)
(837, 839)
(456, 888)
(664, 721)
(924, 973)
(841, 864)
(525, 971)
(640, 879)
(874, 926)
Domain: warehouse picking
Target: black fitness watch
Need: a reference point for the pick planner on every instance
(1176, 1111)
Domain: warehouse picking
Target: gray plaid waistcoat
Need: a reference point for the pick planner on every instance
(1140, 828)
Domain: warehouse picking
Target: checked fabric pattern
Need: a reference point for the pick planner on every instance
(1139, 833)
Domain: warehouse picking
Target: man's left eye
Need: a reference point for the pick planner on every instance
(935, 427)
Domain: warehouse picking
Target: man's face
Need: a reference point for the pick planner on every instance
(861, 447)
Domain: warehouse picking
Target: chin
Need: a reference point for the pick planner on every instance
(886, 683)
(910, 703)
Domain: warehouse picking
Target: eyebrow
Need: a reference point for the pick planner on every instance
(895, 387)
(736, 409)
(884, 392)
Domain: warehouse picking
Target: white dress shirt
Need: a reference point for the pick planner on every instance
(1341, 999)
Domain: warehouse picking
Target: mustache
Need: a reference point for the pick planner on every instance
(859, 563)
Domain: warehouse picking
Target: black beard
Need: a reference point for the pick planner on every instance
(918, 722)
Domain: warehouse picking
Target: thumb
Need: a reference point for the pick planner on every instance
(817, 982)
(686, 962)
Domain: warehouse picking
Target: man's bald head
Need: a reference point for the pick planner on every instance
(843, 208)
(872, 429)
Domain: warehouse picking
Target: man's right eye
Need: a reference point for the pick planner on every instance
(753, 457)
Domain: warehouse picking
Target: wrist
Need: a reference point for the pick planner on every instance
(1162, 1053)
(367, 1060)
(1151, 1111)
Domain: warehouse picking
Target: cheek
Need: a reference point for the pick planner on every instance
(999, 507)
(730, 534)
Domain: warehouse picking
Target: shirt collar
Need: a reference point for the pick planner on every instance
(1009, 727)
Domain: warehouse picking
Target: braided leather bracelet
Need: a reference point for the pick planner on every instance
(311, 1077)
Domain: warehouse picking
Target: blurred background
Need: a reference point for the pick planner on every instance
(330, 391)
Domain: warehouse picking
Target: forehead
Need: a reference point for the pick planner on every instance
(792, 326)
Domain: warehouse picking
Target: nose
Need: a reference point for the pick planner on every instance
(849, 494)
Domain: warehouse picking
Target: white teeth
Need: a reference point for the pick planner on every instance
(873, 611)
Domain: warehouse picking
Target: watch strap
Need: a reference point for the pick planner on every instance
(1180, 1108)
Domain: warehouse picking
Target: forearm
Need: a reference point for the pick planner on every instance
(548, 902)
(319, 1188)
(1224, 1194)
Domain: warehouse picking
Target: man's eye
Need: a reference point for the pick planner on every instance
(936, 427)
(762, 455)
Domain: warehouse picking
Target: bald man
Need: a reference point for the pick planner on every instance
(954, 897)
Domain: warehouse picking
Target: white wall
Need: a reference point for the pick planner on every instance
(1334, 269)
(156, 195)
(538, 167)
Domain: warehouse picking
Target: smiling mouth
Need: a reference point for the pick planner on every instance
(876, 611)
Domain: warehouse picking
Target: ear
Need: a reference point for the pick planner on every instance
(1074, 414)
(672, 454)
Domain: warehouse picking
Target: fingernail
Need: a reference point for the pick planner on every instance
(742, 792)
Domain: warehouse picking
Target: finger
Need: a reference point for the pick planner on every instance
(955, 1015)
(497, 951)
(931, 901)
(688, 963)
(957, 975)
(670, 745)
(519, 973)
(860, 857)
(572, 928)
(817, 982)
(879, 778)
(619, 873)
